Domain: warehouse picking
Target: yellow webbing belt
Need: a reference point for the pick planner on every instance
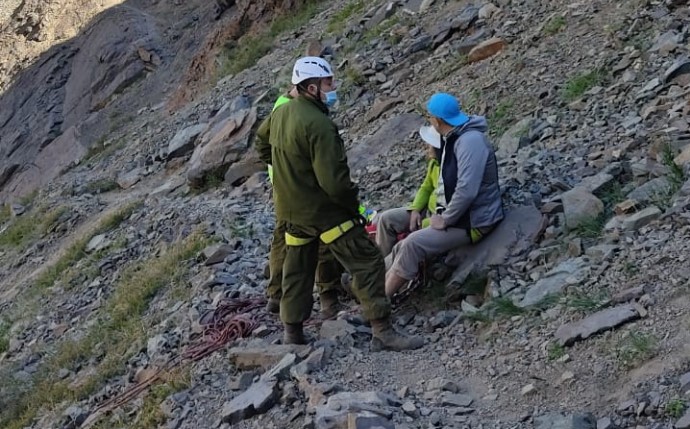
(327, 236)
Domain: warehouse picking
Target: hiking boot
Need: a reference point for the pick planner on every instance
(330, 306)
(293, 334)
(385, 337)
(273, 306)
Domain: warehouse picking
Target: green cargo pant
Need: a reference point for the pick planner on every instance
(328, 270)
(355, 251)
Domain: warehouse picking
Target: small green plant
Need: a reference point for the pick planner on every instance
(502, 117)
(555, 351)
(630, 268)
(245, 52)
(675, 407)
(4, 339)
(586, 302)
(578, 85)
(77, 251)
(339, 20)
(676, 174)
(450, 66)
(554, 25)
(612, 194)
(5, 213)
(26, 228)
(635, 348)
(590, 227)
(505, 307)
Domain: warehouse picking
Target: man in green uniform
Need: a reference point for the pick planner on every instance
(315, 196)
(328, 270)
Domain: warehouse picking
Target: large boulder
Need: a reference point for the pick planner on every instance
(226, 140)
(580, 205)
(514, 235)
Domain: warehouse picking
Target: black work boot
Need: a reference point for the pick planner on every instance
(293, 334)
(385, 337)
(273, 305)
(330, 305)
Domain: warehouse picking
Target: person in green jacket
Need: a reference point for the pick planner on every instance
(315, 196)
(393, 222)
(328, 271)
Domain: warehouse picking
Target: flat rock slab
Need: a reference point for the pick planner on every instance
(513, 236)
(565, 421)
(390, 134)
(457, 400)
(569, 272)
(258, 399)
(264, 357)
(359, 421)
(354, 401)
(597, 322)
(684, 422)
(216, 253)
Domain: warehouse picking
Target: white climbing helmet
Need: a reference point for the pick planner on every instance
(310, 67)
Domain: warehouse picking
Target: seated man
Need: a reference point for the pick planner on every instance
(468, 203)
(391, 223)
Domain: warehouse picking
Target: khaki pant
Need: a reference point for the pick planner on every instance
(328, 270)
(357, 254)
(389, 224)
(423, 244)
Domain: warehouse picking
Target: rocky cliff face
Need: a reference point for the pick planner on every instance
(128, 57)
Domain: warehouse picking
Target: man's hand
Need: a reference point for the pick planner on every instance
(438, 222)
(415, 220)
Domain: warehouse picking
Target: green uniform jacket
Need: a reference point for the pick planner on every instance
(426, 195)
(312, 184)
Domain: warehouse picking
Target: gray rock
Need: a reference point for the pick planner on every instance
(76, 415)
(467, 17)
(354, 400)
(410, 409)
(637, 220)
(282, 368)
(156, 345)
(565, 421)
(604, 423)
(685, 381)
(595, 323)
(487, 11)
(580, 205)
(242, 381)
(129, 179)
(680, 67)
(597, 183)
(366, 421)
(509, 143)
(628, 295)
(425, 5)
(261, 355)
(384, 12)
(440, 383)
(17, 209)
(183, 142)
(443, 318)
(395, 130)
(336, 329)
(258, 399)
(684, 422)
(569, 272)
(650, 190)
(97, 243)
(601, 252)
(216, 253)
(456, 400)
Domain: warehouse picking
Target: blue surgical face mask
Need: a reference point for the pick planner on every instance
(331, 98)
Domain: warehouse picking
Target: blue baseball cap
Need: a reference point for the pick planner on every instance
(445, 106)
